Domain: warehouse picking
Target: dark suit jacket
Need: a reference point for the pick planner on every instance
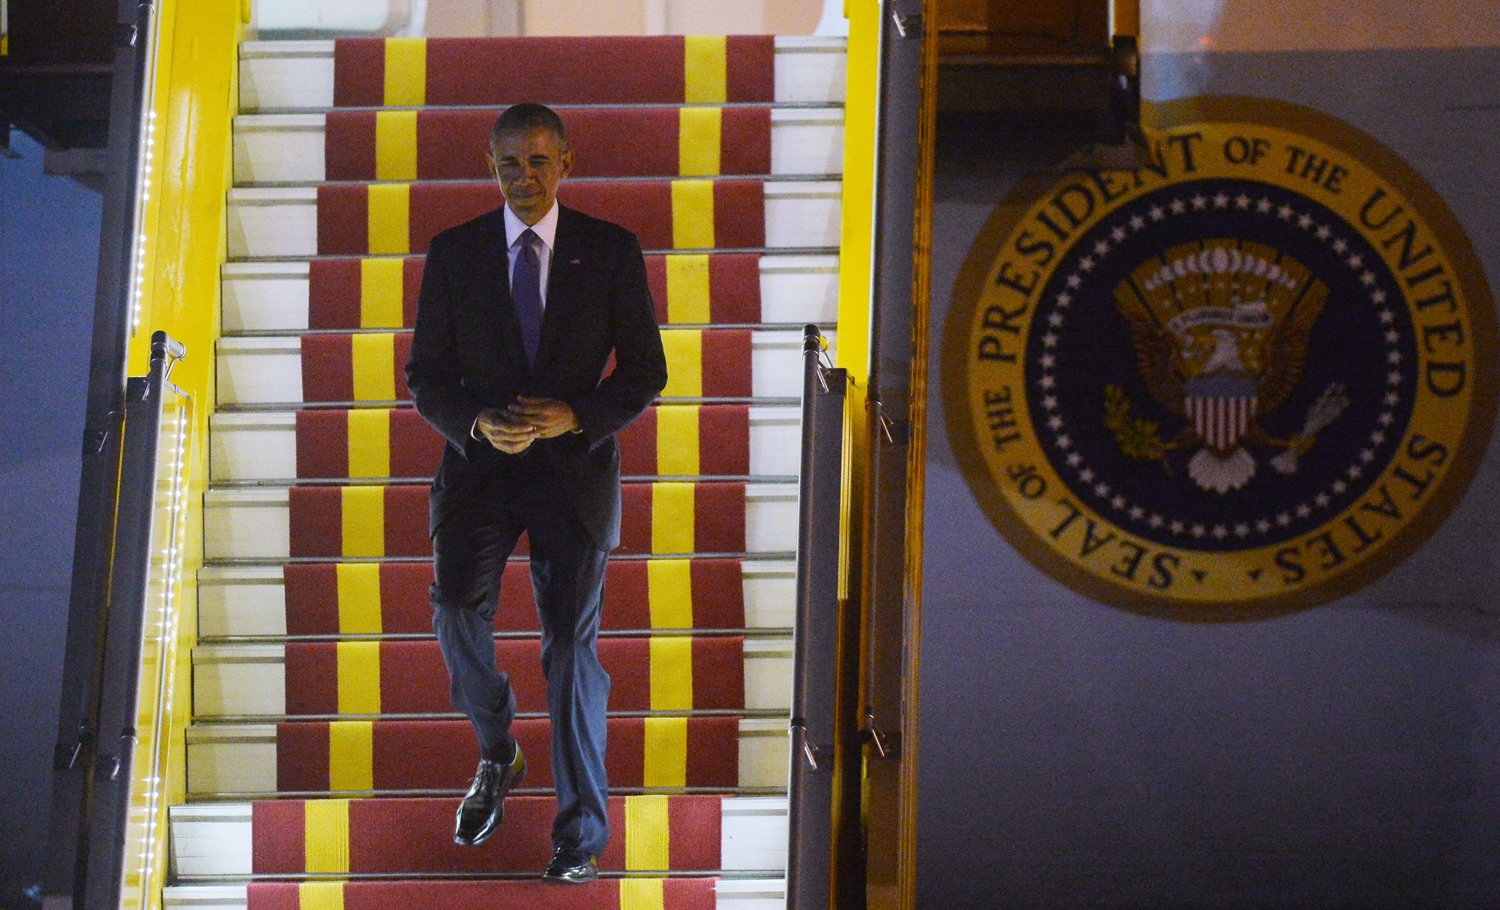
(467, 355)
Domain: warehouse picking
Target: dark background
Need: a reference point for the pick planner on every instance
(49, 249)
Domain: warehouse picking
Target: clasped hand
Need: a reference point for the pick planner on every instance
(514, 428)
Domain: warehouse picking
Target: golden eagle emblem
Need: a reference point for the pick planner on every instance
(1220, 331)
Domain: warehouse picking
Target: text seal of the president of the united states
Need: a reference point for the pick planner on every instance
(1251, 376)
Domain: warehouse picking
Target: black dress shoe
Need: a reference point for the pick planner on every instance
(571, 866)
(483, 807)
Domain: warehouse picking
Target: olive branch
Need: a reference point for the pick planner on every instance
(1136, 437)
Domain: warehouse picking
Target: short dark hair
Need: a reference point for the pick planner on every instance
(525, 117)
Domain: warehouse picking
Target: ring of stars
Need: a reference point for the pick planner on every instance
(1114, 500)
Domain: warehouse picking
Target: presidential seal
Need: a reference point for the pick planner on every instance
(1251, 376)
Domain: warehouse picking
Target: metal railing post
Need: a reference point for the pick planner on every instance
(814, 734)
(77, 734)
(91, 822)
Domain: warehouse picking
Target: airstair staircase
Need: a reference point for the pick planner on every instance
(324, 760)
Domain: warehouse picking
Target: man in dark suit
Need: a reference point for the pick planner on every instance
(519, 312)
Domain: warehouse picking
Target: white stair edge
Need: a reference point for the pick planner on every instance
(298, 75)
(732, 894)
(755, 832)
(291, 148)
(273, 296)
(249, 680)
(282, 222)
(261, 446)
(241, 758)
(214, 839)
(250, 600)
(267, 370)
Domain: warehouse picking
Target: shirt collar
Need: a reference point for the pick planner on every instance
(546, 228)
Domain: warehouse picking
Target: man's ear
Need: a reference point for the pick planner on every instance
(489, 160)
(567, 161)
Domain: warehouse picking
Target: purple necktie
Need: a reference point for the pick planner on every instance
(526, 293)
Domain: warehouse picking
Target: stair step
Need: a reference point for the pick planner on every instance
(391, 598)
(414, 836)
(285, 371)
(739, 893)
(283, 446)
(301, 222)
(279, 523)
(299, 75)
(369, 677)
(450, 144)
(261, 759)
(381, 293)
(317, 683)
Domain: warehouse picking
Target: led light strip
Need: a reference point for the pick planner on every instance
(146, 832)
(148, 796)
(143, 196)
(145, 155)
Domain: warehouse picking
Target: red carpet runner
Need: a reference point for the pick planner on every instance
(703, 440)
(415, 836)
(407, 677)
(384, 218)
(379, 755)
(674, 141)
(663, 518)
(381, 293)
(391, 598)
(560, 71)
(371, 366)
(666, 894)
(608, 142)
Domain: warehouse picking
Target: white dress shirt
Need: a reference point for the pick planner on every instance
(546, 229)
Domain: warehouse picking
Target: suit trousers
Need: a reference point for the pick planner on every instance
(567, 577)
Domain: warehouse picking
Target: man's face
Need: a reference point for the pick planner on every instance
(528, 166)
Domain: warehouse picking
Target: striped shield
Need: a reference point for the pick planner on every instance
(1221, 409)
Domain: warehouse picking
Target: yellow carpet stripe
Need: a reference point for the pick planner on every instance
(692, 214)
(374, 366)
(671, 673)
(687, 288)
(669, 591)
(405, 72)
(370, 441)
(666, 752)
(380, 294)
(700, 133)
(705, 69)
(647, 839)
(684, 349)
(320, 896)
(672, 518)
(325, 832)
(359, 598)
(351, 755)
(396, 145)
(642, 894)
(363, 521)
(677, 443)
(359, 677)
(389, 226)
